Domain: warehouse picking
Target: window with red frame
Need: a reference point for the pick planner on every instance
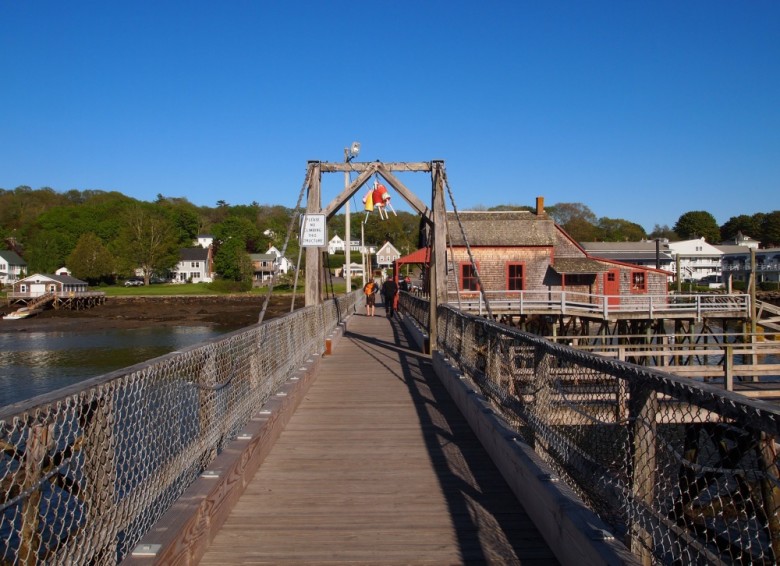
(468, 278)
(514, 276)
(638, 281)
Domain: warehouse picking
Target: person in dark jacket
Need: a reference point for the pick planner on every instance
(389, 291)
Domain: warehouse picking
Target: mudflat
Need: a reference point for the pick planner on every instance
(234, 311)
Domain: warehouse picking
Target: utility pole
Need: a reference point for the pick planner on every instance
(349, 154)
(347, 230)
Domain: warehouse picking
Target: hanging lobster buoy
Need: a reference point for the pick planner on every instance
(380, 195)
(368, 201)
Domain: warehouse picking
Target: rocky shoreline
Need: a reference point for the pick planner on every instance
(232, 311)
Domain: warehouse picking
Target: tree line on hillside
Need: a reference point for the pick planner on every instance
(101, 235)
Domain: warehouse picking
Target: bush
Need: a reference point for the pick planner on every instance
(229, 286)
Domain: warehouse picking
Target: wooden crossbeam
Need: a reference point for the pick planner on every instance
(359, 167)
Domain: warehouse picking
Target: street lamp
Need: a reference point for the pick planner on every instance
(349, 154)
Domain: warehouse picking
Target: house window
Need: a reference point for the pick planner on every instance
(468, 277)
(514, 276)
(580, 279)
(195, 264)
(638, 282)
(194, 275)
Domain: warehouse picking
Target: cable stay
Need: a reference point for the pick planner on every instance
(468, 247)
(295, 216)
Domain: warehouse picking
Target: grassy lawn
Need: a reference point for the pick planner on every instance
(162, 290)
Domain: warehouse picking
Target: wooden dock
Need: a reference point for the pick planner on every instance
(377, 466)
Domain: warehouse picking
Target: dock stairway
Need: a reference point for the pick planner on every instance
(768, 315)
(34, 307)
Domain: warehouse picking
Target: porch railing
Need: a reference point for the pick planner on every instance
(604, 306)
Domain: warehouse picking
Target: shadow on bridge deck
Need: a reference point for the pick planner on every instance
(377, 466)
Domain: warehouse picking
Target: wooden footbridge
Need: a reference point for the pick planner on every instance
(438, 437)
(375, 466)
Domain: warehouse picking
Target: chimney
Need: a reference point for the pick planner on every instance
(540, 206)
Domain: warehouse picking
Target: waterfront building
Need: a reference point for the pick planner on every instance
(386, 255)
(697, 259)
(12, 267)
(195, 266)
(40, 284)
(738, 267)
(646, 253)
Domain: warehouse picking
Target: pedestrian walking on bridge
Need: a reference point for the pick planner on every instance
(389, 293)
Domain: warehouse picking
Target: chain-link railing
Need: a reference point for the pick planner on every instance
(85, 473)
(683, 472)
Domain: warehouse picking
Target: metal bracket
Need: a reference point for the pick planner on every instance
(146, 550)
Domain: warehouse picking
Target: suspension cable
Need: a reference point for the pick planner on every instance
(293, 217)
(329, 278)
(468, 247)
(454, 271)
(295, 280)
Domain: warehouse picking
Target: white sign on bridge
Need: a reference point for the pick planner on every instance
(314, 233)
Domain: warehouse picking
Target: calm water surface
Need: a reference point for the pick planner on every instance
(32, 363)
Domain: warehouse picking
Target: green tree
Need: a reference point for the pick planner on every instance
(742, 224)
(565, 212)
(576, 219)
(663, 232)
(45, 252)
(185, 217)
(232, 262)
(581, 230)
(239, 228)
(619, 230)
(511, 207)
(698, 224)
(770, 230)
(147, 241)
(90, 260)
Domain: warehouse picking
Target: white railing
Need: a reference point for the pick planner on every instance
(29, 295)
(605, 306)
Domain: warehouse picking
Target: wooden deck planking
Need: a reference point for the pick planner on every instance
(377, 467)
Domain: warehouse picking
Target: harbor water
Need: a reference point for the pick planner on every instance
(33, 363)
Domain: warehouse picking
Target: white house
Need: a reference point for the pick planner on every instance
(195, 265)
(204, 240)
(741, 240)
(697, 258)
(282, 262)
(387, 254)
(12, 267)
(336, 244)
(355, 270)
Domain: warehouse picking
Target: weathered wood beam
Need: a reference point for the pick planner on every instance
(359, 167)
(313, 292)
(438, 270)
(408, 195)
(347, 193)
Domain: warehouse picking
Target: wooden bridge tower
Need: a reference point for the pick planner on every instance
(435, 216)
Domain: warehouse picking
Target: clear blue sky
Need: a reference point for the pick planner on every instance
(641, 110)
